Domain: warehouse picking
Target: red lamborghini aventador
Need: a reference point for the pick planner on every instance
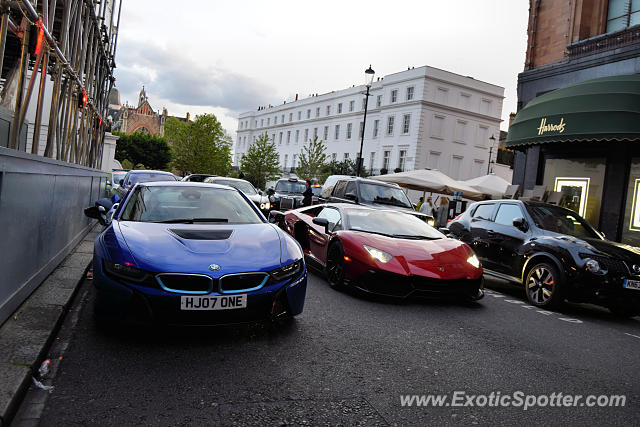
(383, 252)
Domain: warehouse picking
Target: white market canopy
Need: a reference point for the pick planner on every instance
(490, 184)
(430, 180)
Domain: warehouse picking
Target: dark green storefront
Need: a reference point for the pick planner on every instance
(584, 140)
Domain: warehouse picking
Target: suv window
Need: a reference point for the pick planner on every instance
(507, 213)
(351, 188)
(338, 190)
(332, 215)
(483, 211)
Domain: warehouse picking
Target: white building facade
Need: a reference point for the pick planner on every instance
(420, 118)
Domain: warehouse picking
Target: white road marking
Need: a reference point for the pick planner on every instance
(531, 307)
(631, 335)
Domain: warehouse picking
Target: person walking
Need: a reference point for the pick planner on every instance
(307, 195)
(419, 204)
(427, 207)
(442, 214)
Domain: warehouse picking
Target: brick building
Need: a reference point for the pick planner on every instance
(578, 123)
(142, 118)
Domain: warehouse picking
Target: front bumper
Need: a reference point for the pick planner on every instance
(400, 286)
(602, 289)
(121, 301)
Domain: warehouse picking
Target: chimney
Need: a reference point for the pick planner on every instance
(512, 117)
(296, 96)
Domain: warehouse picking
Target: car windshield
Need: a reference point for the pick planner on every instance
(383, 194)
(317, 190)
(243, 186)
(117, 176)
(171, 204)
(563, 221)
(290, 187)
(394, 224)
(135, 178)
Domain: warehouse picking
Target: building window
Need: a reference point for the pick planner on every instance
(376, 125)
(337, 133)
(261, 122)
(352, 105)
(434, 160)
(390, 121)
(295, 158)
(275, 120)
(268, 121)
(280, 140)
(442, 95)
(465, 101)
(286, 157)
(363, 102)
(290, 117)
(346, 156)
(410, 90)
(478, 168)
(372, 159)
(483, 137)
(297, 135)
(299, 115)
(486, 107)
(315, 133)
(622, 14)
(326, 133)
(282, 118)
(406, 120)
(386, 157)
(306, 134)
(437, 130)
(379, 101)
(328, 110)
(456, 167)
(361, 130)
(402, 158)
(394, 96)
(273, 137)
(460, 132)
(349, 126)
(334, 156)
(308, 114)
(318, 112)
(340, 108)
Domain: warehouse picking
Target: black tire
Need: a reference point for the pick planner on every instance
(335, 266)
(544, 286)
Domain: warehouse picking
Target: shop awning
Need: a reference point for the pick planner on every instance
(604, 109)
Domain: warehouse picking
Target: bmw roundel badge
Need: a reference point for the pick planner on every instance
(214, 267)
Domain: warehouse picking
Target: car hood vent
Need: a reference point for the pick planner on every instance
(191, 234)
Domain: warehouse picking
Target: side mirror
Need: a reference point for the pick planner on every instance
(351, 196)
(444, 230)
(276, 217)
(271, 192)
(323, 222)
(520, 224)
(121, 182)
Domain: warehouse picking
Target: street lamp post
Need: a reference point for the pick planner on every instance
(368, 81)
(493, 140)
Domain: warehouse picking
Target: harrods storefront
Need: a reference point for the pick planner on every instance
(584, 141)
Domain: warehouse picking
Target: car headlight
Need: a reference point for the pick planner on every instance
(474, 261)
(592, 266)
(378, 254)
(124, 271)
(290, 270)
(431, 221)
(264, 206)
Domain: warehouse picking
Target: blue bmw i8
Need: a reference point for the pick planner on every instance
(193, 253)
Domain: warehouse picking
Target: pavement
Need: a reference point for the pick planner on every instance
(28, 334)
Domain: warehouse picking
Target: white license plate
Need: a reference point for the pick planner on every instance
(631, 284)
(226, 302)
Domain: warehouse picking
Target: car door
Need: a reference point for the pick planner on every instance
(507, 240)
(318, 237)
(480, 226)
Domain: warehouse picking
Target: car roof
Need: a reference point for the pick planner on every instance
(137, 171)
(228, 178)
(185, 184)
(369, 181)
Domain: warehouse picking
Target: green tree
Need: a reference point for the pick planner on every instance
(143, 148)
(200, 146)
(345, 167)
(260, 163)
(312, 159)
(126, 164)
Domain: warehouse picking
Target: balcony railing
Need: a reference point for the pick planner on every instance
(604, 43)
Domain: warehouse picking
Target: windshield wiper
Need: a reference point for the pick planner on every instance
(415, 237)
(192, 220)
(389, 202)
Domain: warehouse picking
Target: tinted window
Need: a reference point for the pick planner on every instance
(507, 213)
(243, 186)
(172, 204)
(388, 223)
(483, 211)
(290, 187)
(384, 194)
(563, 221)
(135, 178)
(338, 190)
(351, 188)
(332, 215)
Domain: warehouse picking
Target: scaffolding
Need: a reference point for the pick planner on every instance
(67, 46)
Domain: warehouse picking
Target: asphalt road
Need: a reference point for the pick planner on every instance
(347, 360)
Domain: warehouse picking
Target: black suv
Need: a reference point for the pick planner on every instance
(554, 252)
(373, 193)
(287, 193)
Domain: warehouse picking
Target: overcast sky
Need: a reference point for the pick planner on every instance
(228, 57)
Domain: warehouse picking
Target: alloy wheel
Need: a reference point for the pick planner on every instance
(540, 285)
(335, 267)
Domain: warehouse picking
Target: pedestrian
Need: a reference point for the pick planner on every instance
(442, 214)
(419, 204)
(241, 175)
(307, 195)
(427, 207)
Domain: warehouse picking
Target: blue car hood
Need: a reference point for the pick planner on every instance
(235, 248)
